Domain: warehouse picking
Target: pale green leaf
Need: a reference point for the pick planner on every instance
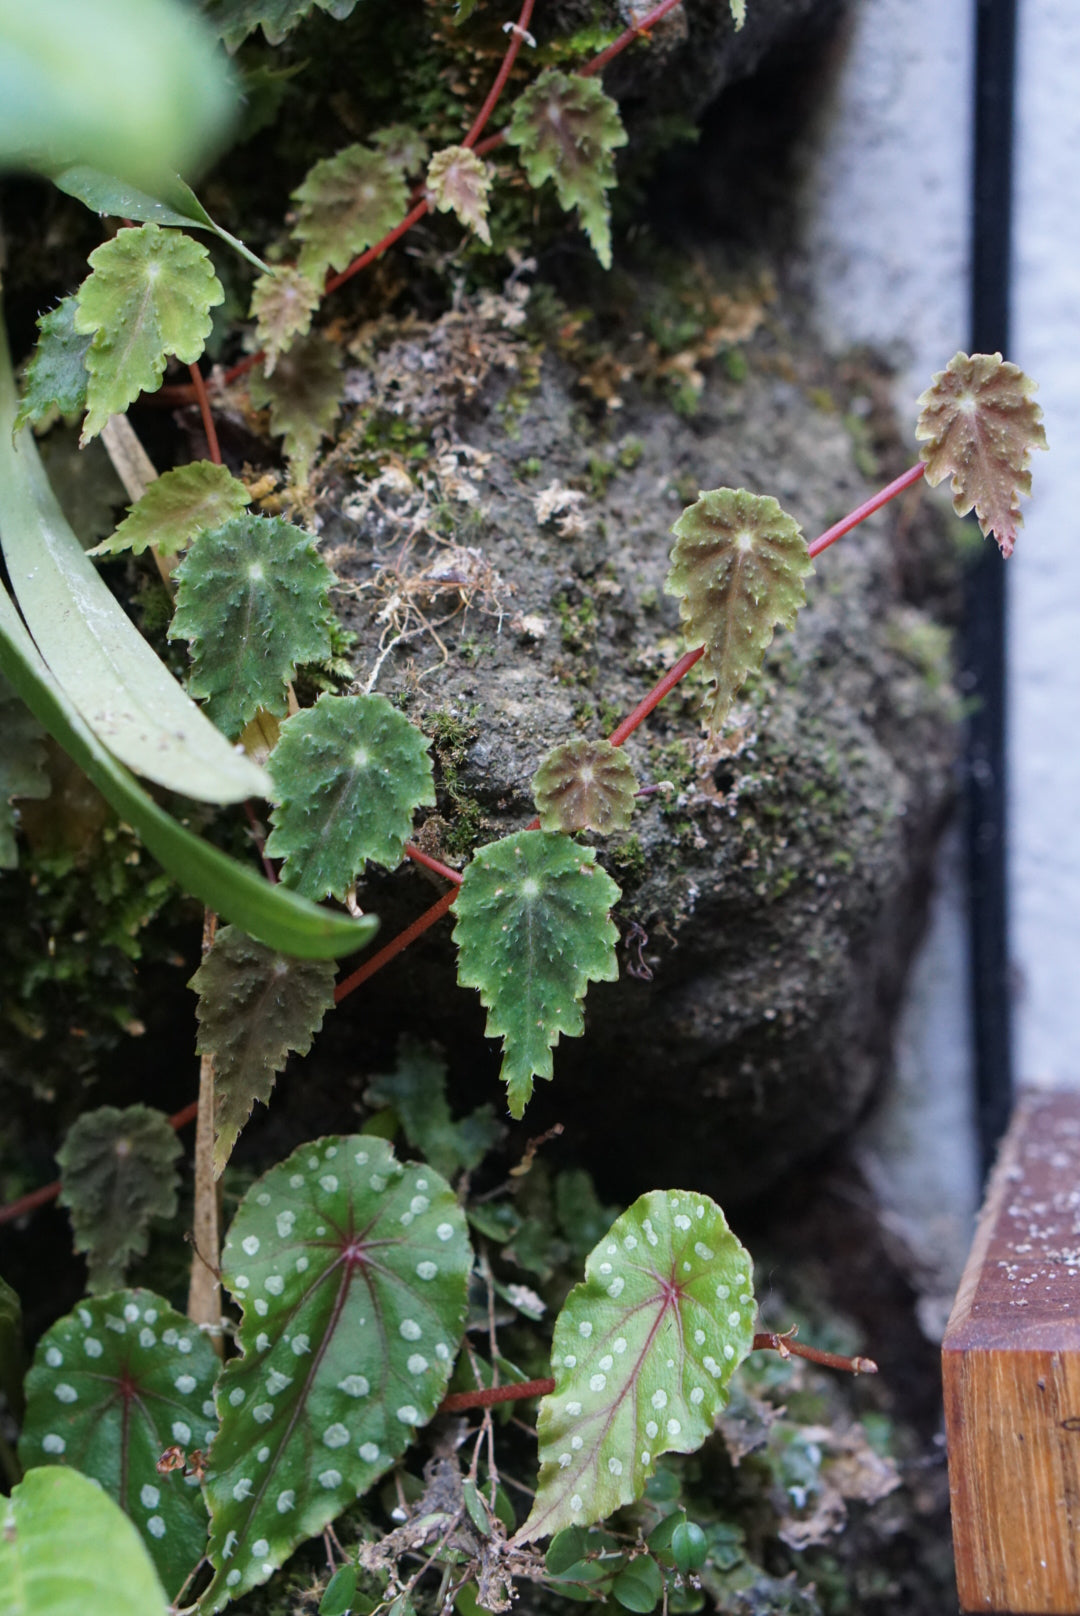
(177, 506)
(113, 1385)
(567, 129)
(404, 145)
(55, 379)
(416, 1090)
(236, 19)
(642, 1356)
(345, 204)
(303, 397)
(738, 12)
(253, 600)
(22, 766)
(282, 303)
(737, 568)
(117, 1173)
(255, 1008)
(533, 930)
(351, 1271)
(102, 1567)
(348, 775)
(149, 296)
(458, 182)
(171, 203)
(585, 785)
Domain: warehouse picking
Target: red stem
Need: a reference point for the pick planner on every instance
(429, 863)
(656, 695)
(640, 30)
(204, 410)
(861, 512)
(517, 39)
(401, 941)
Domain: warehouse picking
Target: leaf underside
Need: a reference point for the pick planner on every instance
(177, 506)
(978, 423)
(303, 396)
(737, 568)
(567, 129)
(416, 1090)
(350, 773)
(253, 601)
(113, 1385)
(533, 930)
(346, 203)
(351, 1271)
(458, 182)
(234, 20)
(22, 766)
(55, 380)
(642, 1356)
(282, 303)
(585, 785)
(117, 1172)
(255, 1008)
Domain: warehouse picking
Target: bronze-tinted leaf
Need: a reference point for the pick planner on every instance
(585, 785)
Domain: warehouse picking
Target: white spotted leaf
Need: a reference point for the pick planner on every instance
(349, 774)
(117, 1173)
(351, 1271)
(642, 1356)
(533, 929)
(113, 1385)
(737, 568)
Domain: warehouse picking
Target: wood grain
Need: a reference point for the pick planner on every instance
(1011, 1370)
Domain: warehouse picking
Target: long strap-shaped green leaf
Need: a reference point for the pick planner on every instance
(274, 915)
(94, 652)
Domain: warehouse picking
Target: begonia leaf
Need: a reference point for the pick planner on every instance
(642, 1356)
(351, 1271)
(236, 19)
(282, 303)
(172, 202)
(113, 1385)
(416, 1090)
(22, 766)
(533, 930)
(458, 182)
(177, 506)
(403, 145)
(303, 396)
(347, 203)
(117, 1173)
(585, 785)
(55, 379)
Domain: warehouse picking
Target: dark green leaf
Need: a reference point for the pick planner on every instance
(55, 380)
(12, 1357)
(565, 1549)
(476, 1508)
(303, 396)
(582, 1217)
(340, 1592)
(689, 1547)
(172, 203)
(416, 1089)
(176, 508)
(639, 1587)
(22, 766)
(236, 19)
(117, 1173)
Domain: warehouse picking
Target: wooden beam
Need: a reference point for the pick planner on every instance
(1011, 1370)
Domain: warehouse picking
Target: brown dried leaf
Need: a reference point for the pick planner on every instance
(979, 423)
(458, 182)
(585, 785)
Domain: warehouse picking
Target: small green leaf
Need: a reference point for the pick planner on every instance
(689, 1547)
(255, 1007)
(351, 1271)
(117, 1172)
(416, 1089)
(582, 1217)
(566, 129)
(282, 303)
(66, 1550)
(566, 1549)
(172, 203)
(176, 507)
(340, 1592)
(346, 204)
(12, 1357)
(150, 295)
(403, 145)
(112, 1386)
(253, 599)
(56, 377)
(458, 182)
(533, 930)
(738, 12)
(22, 766)
(639, 1587)
(349, 774)
(737, 568)
(585, 785)
(303, 397)
(236, 19)
(476, 1508)
(642, 1355)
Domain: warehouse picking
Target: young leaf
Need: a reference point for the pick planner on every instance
(979, 423)
(346, 204)
(585, 785)
(639, 1586)
(458, 182)
(236, 19)
(253, 600)
(303, 397)
(349, 773)
(112, 1386)
(56, 375)
(351, 1271)
(254, 1007)
(282, 303)
(117, 1172)
(176, 507)
(566, 129)
(642, 1356)
(403, 145)
(416, 1089)
(737, 567)
(102, 1565)
(150, 295)
(22, 766)
(533, 930)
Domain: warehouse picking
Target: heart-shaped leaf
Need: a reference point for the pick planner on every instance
(113, 1385)
(117, 1172)
(585, 785)
(642, 1356)
(351, 1271)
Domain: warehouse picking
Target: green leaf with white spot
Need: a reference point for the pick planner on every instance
(416, 1090)
(22, 766)
(101, 1564)
(642, 1356)
(351, 1271)
(533, 929)
(567, 129)
(585, 785)
(303, 396)
(117, 1173)
(349, 774)
(176, 507)
(255, 1008)
(55, 379)
(149, 296)
(236, 19)
(345, 204)
(253, 600)
(737, 569)
(112, 1386)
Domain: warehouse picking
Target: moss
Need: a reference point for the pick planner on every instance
(452, 735)
(577, 624)
(627, 861)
